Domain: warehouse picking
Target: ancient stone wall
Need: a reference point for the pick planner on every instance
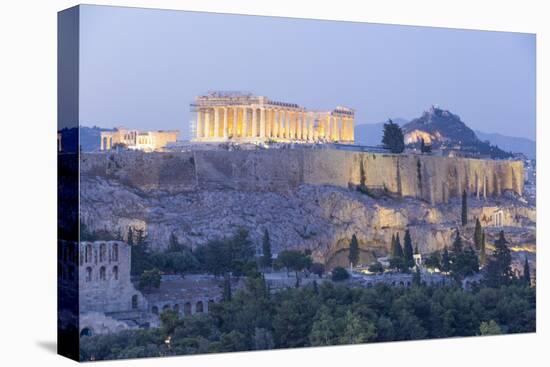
(104, 278)
(430, 178)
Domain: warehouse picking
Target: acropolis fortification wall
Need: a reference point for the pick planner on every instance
(430, 178)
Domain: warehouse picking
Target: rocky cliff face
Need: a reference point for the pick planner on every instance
(304, 199)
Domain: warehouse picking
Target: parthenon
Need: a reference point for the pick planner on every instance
(237, 116)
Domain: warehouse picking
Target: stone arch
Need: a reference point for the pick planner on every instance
(89, 274)
(187, 308)
(199, 307)
(88, 253)
(135, 300)
(210, 304)
(102, 252)
(155, 310)
(177, 308)
(102, 273)
(165, 308)
(86, 331)
(115, 272)
(114, 251)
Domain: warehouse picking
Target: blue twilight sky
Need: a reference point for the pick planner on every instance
(141, 68)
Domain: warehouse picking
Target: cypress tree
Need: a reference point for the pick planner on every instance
(130, 238)
(457, 243)
(477, 234)
(482, 254)
(408, 250)
(445, 264)
(398, 248)
(267, 256)
(353, 251)
(392, 246)
(526, 273)
(464, 208)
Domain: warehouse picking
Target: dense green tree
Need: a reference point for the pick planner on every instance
(293, 260)
(393, 138)
(323, 329)
(464, 263)
(464, 211)
(356, 330)
(489, 328)
(433, 261)
(376, 267)
(353, 255)
(318, 269)
(266, 259)
(254, 319)
(417, 278)
(150, 279)
(294, 317)
(408, 250)
(339, 274)
(526, 272)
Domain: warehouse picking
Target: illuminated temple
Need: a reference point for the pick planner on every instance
(236, 116)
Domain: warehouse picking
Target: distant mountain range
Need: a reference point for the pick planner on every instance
(511, 144)
(371, 134)
(442, 128)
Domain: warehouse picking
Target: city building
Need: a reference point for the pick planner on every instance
(242, 117)
(148, 141)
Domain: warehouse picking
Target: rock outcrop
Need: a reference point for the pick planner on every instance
(305, 198)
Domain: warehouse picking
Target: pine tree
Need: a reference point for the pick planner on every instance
(482, 254)
(416, 252)
(392, 246)
(445, 263)
(353, 251)
(267, 256)
(457, 243)
(464, 208)
(393, 138)
(526, 272)
(408, 250)
(499, 271)
(477, 234)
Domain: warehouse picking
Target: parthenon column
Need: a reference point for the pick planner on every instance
(200, 128)
(216, 122)
(262, 123)
(328, 132)
(268, 122)
(311, 131)
(254, 123)
(274, 124)
(225, 123)
(281, 126)
(299, 122)
(206, 123)
(245, 122)
(235, 121)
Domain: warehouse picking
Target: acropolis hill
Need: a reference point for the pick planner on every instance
(306, 197)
